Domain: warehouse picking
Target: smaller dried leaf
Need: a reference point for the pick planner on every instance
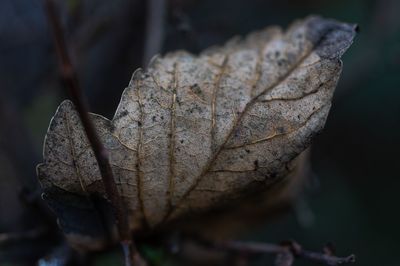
(193, 133)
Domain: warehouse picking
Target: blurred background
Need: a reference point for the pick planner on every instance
(352, 198)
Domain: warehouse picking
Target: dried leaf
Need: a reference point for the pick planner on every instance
(194, 132)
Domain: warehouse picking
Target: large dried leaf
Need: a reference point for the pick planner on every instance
(194, 132)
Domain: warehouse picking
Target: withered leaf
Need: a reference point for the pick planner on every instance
(192, 132)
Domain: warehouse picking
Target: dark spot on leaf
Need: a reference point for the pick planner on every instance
(196, 89)
(280, 130)
(256, 164)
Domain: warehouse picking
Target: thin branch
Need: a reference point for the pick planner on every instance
(155, 10)
(285, 252)
(132, 256)
(71, 82)
(70, 78)
(7, 238)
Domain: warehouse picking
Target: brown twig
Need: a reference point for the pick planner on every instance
(7, 238)
(285, 252)
(155, 10)
(71, 82)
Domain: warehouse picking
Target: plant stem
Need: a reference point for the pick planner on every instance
(69, 76)
(289, 250)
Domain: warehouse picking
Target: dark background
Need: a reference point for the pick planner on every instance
(353, 198)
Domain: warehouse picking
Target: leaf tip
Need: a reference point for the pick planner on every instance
(330, 37)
